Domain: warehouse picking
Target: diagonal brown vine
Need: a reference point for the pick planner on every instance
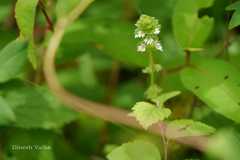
(105, 112)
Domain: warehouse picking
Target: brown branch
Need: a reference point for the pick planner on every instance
(105, 112)
(48, 19)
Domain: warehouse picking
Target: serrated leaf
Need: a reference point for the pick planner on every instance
(160, 100)
(134, 150)
(12, 60)
(6, 113)
(147, 114)
(216, 83)
(188, 127)
(235, 20)
(190, 30)
(25, 11)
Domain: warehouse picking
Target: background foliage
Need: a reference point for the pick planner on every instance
(97, 60)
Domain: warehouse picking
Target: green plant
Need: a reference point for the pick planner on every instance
(175, 75)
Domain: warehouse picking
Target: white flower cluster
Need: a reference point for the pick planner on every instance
(148, 30)
(148, 40)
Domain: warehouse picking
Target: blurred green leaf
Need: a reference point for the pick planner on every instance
(224, 145)
(25, 16)
(12, 60)
(190, 30)
(4, 11)
(32, 54)
(135, 151)
(235, 20)
(6, 113)
(216, 83)
(148, 114)
(64, 7)
(87, 71)
(128, 94)
(151, 7)
(25, 11)
(188, 128)
(36, 108)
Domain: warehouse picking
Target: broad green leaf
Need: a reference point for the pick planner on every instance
(12, 60)
(151, 7)
(188, 127)
(137, 150)
(190, 30)
(6, 113)
(116, 40)
(63, 7)
(224, 145)
(87, 71)
(147, 114)
(32, 54)
(4, 11)
(160, 100)
(216, 83)
(25, 16)
(235, 20)
(119, 43)
(35, 107)
(25, 11)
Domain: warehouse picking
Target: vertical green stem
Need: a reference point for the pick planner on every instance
(152, 68)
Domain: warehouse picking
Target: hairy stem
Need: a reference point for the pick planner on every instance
(152, 68)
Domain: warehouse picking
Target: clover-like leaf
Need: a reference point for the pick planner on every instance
(134, 150)
(147, 114)
(160, 100)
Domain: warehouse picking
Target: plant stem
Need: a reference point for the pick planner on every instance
(105, 112)
(187, 57)
(48, 19)
(152, 68)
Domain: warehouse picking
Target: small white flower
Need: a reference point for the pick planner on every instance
(141, 48)
(157, 31)
(139, 34)
(148, 41)
(158, 46)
